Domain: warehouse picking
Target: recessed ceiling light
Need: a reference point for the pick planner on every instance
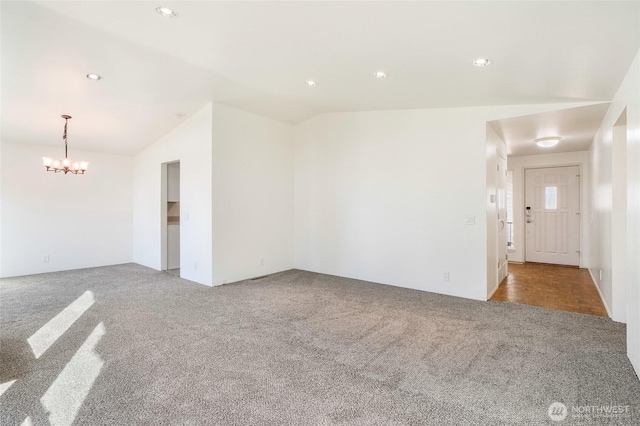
(481, 62)
(94, 77)
(310, 83)
(166, 12)
(548, 142)
(380, 74)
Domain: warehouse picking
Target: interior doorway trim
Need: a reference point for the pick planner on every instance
(164, 171)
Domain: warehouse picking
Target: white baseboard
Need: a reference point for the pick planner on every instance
(604, 302)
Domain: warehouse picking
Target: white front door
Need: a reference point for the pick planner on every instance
(552, 215)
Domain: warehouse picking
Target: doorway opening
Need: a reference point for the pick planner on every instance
(509, 203)
(170, 214)
(550, 241)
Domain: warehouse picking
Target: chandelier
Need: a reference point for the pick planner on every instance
(65, 165)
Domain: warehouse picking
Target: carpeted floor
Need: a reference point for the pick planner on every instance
(298, 348)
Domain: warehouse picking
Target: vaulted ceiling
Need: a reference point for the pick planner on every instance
(257, 55)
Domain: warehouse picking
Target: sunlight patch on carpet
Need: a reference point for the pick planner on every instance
(66, 394)
(42, 339)
(5, 386)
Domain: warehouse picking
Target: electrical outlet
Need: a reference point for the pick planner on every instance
(445, 276)
(262, 261)
(195, 266)
(45, 258)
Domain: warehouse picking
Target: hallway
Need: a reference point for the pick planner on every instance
(558, 287)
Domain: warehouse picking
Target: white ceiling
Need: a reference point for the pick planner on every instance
(256, 56)
(576, 126)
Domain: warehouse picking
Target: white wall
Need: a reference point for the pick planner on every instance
(382, 196)
(518, 164)
(619, 222)
(607, 266)
(190, 143)
(601, 156)
(236, 196)
(629, 94)
(79, 221)
(1, 198)
(252, 195)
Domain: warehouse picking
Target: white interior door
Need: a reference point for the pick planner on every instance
(501, 185)
(552, 215)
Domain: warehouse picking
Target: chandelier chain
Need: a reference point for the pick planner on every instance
(64, 137)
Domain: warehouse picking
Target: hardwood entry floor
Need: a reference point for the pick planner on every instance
(559, 287)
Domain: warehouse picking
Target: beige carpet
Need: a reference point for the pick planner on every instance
(145, 347)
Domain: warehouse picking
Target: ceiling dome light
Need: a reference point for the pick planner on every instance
(548, 142)
(166, 12)
(481, 62)
(380, 74)
(94, 77)
(310, 83)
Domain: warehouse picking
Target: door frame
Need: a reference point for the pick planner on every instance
(164, 187)
(164, 171)
(582, 263)
(502, 174)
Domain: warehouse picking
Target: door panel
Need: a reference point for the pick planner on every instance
(552, 215)
(550, 232)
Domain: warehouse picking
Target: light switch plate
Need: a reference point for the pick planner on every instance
(470, 220)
